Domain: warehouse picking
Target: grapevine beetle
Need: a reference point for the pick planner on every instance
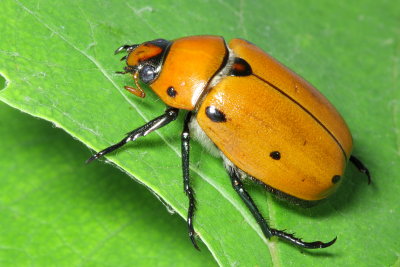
(262, 119)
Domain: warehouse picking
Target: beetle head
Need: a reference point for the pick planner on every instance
(144, 62)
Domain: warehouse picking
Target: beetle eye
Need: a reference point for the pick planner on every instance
(147, 73)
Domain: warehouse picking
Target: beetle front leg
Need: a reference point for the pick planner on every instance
(169, 115)
(269, 232)
(185, 137)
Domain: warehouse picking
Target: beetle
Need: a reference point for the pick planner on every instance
(262, 119)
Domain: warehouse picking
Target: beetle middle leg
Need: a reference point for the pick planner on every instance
(186, 177)
(268, 231)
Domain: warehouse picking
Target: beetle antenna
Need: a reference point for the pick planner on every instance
(136, 79)
(136, 91)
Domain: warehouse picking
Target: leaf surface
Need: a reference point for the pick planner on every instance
(58, 65)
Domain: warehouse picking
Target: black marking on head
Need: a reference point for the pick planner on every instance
(215, 115)
(148, 65)
(240, 67)
(171, 91)
(276, 155)
(336, 179)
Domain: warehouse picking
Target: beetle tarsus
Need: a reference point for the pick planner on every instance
(121, 72)
(107, 150)
(361, 167)
(297, 241)
(192, 207)
(192, 236)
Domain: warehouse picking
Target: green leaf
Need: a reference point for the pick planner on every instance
(55, 211)
(58, 65)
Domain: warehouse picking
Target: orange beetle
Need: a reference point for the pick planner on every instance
(266, 122)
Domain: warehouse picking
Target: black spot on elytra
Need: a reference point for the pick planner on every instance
(275, 155)
(215, 114)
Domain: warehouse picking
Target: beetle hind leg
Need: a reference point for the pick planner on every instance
(361, 167)
(268, 231)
